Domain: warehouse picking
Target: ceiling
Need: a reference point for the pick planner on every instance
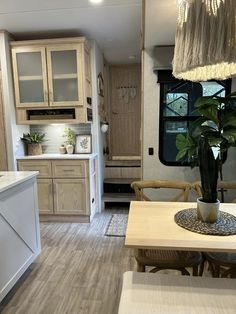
(115, 24)
(160, 25)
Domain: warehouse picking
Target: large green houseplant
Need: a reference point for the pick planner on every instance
(207, 143)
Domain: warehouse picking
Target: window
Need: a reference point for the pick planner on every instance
(177, 111)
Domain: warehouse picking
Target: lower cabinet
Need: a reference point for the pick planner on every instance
(66, 189)
(45, 196)
(70, 196)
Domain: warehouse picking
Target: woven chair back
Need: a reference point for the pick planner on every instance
(140, 186)
(225, 185)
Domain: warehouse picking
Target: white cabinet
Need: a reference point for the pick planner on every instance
(19, 232)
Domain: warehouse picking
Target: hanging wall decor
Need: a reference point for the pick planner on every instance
(127, 92)
(205, 42)
(100, 85)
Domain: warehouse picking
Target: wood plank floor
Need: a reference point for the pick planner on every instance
(79, 271)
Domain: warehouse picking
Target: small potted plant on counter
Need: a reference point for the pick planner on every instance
(206, 145)
(70, 140)
(33, 142)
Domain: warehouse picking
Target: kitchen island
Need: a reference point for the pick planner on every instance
(19, 226)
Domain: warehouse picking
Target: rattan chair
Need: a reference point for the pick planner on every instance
(220, 264)
(165, 259)
(225, 185)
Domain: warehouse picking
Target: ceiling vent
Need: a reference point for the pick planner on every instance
(163, 56)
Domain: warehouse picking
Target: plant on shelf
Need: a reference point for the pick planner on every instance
(33, 141)
(206, 145)
(70, 140)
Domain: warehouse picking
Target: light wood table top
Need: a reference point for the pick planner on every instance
(152, 225)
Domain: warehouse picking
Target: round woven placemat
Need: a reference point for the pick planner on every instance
(225, 225)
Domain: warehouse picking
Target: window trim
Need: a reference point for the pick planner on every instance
(162, 120)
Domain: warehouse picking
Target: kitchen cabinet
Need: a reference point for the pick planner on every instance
(66, 188)
(30, 76)
(52, 80)
(45, 195)
(70, 196)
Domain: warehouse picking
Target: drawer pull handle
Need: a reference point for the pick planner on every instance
(68, 170)
(93, 200)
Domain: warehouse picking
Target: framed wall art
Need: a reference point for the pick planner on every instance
(83, 144)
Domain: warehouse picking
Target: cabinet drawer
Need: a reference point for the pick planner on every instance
(43, 166)
(69, 169)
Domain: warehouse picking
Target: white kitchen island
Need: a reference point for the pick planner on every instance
(19, 226)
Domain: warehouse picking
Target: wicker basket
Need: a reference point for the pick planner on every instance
(34, 149)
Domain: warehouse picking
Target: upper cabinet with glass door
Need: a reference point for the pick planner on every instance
(51, 73)
(65, 75)
(30, 76)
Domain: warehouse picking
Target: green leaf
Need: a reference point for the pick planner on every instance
(231, 95)
(181, 141)
(230, 135)
(229, 120)
(207, 100)
(215, 141)
(210, 112)
(181, 154)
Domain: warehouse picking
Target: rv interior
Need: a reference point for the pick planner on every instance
(117, 157)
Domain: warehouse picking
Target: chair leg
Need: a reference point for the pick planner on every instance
(216, 271)
(140, 268)
(184, 272)
(201, 268)
(195, 271)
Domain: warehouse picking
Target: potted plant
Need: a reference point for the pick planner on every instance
(206, 145)
(33, 142)
(70, 140)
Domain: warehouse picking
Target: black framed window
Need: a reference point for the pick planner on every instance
(177, 111)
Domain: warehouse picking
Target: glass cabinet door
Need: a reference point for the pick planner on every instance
(64, 75)
(30, 78)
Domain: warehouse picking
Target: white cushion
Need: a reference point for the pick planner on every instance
(149, 293)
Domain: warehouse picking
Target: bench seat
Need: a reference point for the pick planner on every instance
(148, 293)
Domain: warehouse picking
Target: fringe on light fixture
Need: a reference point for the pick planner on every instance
(205, 42)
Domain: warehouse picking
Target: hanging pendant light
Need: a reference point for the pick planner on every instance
(205, 42)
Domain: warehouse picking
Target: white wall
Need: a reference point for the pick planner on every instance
(13, 131)
(152, 167)
(97, 62)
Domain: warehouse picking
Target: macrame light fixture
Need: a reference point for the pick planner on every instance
(205, 43)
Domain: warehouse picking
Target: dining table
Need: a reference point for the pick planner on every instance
(152, 225)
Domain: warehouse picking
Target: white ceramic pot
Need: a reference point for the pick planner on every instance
(208, 212)
(69, 149)
(104, 127)
(62, 150)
